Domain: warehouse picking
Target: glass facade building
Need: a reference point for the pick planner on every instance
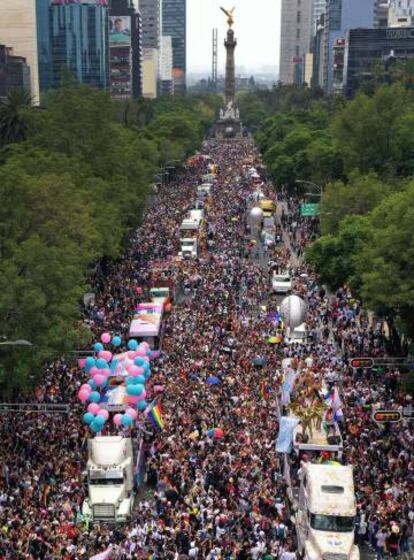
(174, 25)
(74, 36)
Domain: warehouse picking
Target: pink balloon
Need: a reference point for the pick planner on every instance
(145, 345)
(82, 362)
(83, 395)
(142, 395)
(86, 387)
(99, 378)
(145, 358)
(105, 337)
(118, 419)
(141, 352)
(132, 354)
(93, 371)
(105, 355)
(134, 371)
(93, 408)
(104, 413)
(106, 372)
(131, 400)
(132, 412)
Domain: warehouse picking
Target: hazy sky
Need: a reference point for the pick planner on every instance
(257, 29)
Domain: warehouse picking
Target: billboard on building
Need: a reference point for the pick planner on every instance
(119, 31)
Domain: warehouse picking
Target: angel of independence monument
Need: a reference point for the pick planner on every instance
(229, 124)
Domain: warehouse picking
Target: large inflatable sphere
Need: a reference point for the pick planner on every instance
(293, 311)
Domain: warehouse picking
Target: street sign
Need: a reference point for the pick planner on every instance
(386, 416)
(364, 363)
(309, 209)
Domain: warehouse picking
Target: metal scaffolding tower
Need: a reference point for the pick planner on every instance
(214, 59)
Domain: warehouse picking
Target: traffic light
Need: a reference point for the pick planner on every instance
(387, 416)
(365, 363)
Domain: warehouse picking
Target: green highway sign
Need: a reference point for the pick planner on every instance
(309, 209)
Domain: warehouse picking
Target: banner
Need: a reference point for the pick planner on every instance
(284, 442)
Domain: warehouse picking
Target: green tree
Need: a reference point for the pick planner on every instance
(385, 265)
(360, 195)
(13, 116)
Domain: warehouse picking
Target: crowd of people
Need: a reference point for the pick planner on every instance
(208, 497)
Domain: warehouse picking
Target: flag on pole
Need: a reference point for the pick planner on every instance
(155, 415)
(264, 390)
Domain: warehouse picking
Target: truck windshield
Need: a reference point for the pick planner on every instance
(333, 523)
(106, 481)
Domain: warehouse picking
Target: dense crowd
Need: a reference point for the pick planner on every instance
(210, 498)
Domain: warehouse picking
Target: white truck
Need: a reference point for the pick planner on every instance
(189, 248)
(326, 510)
(111, 479)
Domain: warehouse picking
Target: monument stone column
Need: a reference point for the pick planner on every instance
(230, 84)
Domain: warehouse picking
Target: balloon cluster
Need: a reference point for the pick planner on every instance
(215, 433)
(101, 367)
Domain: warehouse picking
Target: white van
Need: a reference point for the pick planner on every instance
(189, 248)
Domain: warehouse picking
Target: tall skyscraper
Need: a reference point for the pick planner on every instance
(342, 15)
(125, 50)
(74, 36)
(174, 25)
(18, 30)
(295, 39)
(381, 13)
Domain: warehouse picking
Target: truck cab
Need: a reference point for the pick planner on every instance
(189, 248)
(326, 511)
(110, 479)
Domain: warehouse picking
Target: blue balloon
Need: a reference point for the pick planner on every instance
(142, 405)
(98, 347)
(127, 420)
(116, 341)
(210, 433)
(140, 379)
(96, 427)
(99, 421)
(146, 365)
(94, 396)
(90, 361)
(139, 361)
(88, 417)
(104, 382)
(132, 344)
(147, 374)
(92, 383)
(134, 390)
(101, 363)
(130, 381)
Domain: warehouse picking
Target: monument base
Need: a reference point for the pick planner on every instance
(227, 128)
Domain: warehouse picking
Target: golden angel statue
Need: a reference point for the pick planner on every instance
(229, 14)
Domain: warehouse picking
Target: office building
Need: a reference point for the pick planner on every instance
(295, 39)
(150, 67)
(381, 13)
(14, 72)
(318, 8)
(73, 36)
(342, 15)
(401, 13)
(18, 30)
(174, 26)
(125, 50)
(365, 48)
(151, 23)
(166, 66)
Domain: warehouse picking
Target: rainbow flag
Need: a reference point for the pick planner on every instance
(155, 415)
(264, 392)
